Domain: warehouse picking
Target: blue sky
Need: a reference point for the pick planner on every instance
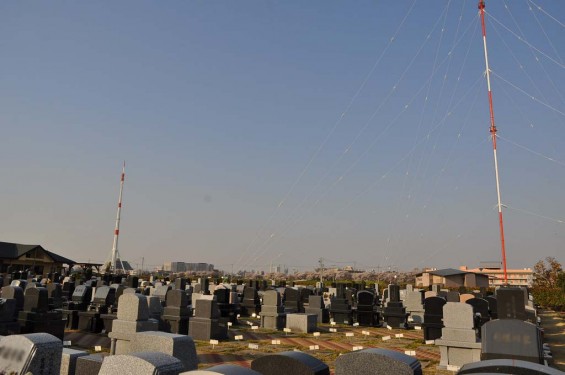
(234, 119)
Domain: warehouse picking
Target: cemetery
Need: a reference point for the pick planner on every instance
(121, 324)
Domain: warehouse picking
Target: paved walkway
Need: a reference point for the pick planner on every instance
(554, 333)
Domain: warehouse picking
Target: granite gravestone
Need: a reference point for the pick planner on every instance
(377, 361)
(481, 310)
(316, 306)
(272, 312)
(142, 363)
(36, 316)
(292, 302)
(366, 314)
(80, 300)
(16, 293)
(285, 363)
(512, 339)
(507, 366)
(8, 323)
(459, 343)
(492, 306)
(395, 313)
(510, 303)
(433, 317)
(414, 302)
(69, 360)
(133, 317)
(340, 309)
(251, 303)
(176, 314)
(37, 353)
(205, 325)
(178, 346)
(302, 322)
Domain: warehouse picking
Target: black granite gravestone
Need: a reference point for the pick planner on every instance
(433, 317)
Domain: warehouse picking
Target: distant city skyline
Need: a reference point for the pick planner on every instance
(258, 133)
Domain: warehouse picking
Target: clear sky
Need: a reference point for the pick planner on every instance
(259, 132)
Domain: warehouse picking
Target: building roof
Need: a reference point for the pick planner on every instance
(448, 272)
(10, 250)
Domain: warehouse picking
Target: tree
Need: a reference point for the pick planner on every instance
(546, 276)
(549, 284)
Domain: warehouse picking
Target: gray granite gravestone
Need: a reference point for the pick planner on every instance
(272, 312)
(176, 313)
(178, 346)
(142, 363)
(377, 361)
(316, 306)
(69, 360)
(133, 317)
(512, 339)
(459, 343)
(302, 323)
(414, 302)
(205, 325)
(38, 353)
(89, 364)
(285, 363)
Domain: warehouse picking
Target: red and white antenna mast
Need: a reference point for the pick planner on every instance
(493, 136)
(115, 252)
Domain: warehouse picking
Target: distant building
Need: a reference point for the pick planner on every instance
(176, 267)
(451, 278)
(495, 273)
(34, 258)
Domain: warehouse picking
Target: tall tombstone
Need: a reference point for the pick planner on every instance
(90, 320)
(284, 363)
(55, 295)
(366, 312)
(305, 294)
(395, 313)
(272, 312)
(512, 339)
(180, 283)
(227, 309)
(433, 317)
(36, 353)
(80, 300)
(292, 301)
(133, 317)
(510, 303)
(414, 302)
(176, 314)
(205, 325)
(340, 309)
(459, 343)
(251, 303)
(375, 361)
